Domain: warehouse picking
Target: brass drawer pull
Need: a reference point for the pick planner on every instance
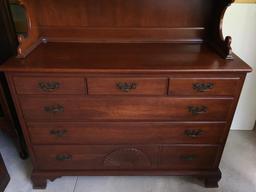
(58, 133)
(49, 86)
(63, 157)
(195, 110)
(193, 132)
(126, 87)
(54, 108)
(188, 157)
(203, 87)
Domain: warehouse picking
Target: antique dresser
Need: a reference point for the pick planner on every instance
(118, 87)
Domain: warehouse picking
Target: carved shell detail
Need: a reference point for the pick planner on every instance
(126, 158)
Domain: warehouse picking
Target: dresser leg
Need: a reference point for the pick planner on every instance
(39, 182)
(211, 181)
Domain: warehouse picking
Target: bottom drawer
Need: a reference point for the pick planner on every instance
(71, 157)
(122, 133)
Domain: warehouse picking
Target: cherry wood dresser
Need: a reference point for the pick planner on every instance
(115, 87)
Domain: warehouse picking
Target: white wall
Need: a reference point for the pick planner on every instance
(240, 24)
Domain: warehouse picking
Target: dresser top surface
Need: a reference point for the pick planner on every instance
(125, 57)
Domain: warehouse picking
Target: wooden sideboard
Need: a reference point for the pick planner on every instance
(125, 87)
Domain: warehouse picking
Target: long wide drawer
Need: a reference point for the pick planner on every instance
(71, 157)
(70, 108)
(125, 133)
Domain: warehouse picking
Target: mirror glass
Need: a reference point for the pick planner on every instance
(19, 18)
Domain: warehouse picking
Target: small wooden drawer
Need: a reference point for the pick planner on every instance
(188, 157)
(72, 157)
(50, 85)
(127, 86)
(70, 108)
(203, 86)
(126, 133)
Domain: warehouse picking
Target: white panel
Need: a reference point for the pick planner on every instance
(240, 24)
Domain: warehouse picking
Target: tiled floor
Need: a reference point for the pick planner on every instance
(238, 167)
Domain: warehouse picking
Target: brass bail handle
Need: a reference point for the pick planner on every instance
(63, 157)
(203, 87)
(195, 110)
(49, 86)
(54, 109)
(58, 133)
(193, 132)
(126, 86)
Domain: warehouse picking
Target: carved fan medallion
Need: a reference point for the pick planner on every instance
(127, 158)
